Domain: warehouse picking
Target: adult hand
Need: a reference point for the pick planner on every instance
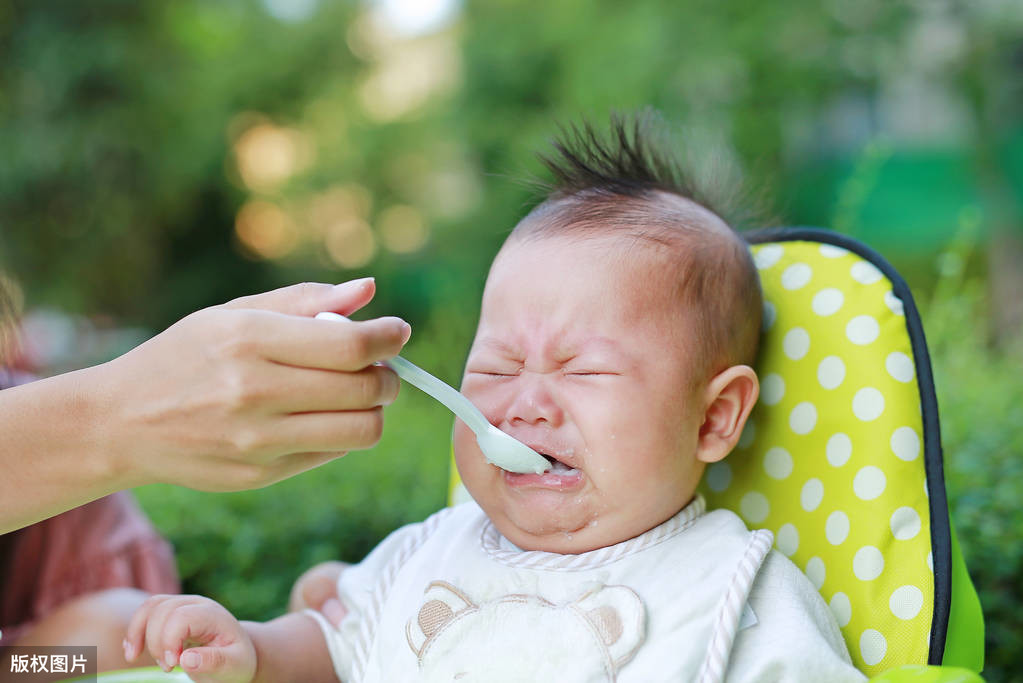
(231, 397)
(245, 394)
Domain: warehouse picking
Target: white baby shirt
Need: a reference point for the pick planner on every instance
(698, 598)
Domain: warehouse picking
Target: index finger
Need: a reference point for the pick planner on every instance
(345, 345)
(309, 298)
(136, 631)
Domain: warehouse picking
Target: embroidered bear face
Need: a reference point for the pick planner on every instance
(525, 637)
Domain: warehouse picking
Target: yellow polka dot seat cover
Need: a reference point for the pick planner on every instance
(841, 458)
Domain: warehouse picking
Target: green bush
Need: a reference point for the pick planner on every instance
(981, 404)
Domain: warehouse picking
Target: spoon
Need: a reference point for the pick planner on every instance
(499, 448)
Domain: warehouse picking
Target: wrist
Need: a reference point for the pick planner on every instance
(100, 421)
(53, 457)
(289, 649)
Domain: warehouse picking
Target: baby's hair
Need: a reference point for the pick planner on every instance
(628, 183)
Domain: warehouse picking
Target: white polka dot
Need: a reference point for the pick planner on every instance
(873, 647)
(770, 315)
(868, 562)
(869, 483)
(836, 529)
(831, 251)
(787, 540)
(865, 273)
(816, 572)
(894, 303)
(868, 404)
(827, 301)
(839, 449)
(930, 561)
(796, 343)
(905, 444)
(719, 476)
(899, 366)
(862, 330)
(841, 608)
(778, 463)
(749, 433)
(803, 418)
(831, 372)
(812, 494)
(796, 276)
(906, 602)
(905, 523)
(754, 507)
(772, 389)
(767, 256)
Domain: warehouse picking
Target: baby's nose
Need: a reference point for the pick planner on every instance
(534, 403)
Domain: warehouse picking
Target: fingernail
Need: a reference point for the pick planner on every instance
(334, 611)
(354, 284)
(190, 660)
(129, 651)
(170, 658)
(406, 332)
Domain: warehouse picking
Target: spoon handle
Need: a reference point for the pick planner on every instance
(455, 402)
(417, 377)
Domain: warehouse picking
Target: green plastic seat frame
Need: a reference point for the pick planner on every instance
(842, 460)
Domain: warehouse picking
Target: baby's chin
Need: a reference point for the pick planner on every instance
(564, 536)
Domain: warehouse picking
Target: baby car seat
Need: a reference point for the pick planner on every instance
(841, 459)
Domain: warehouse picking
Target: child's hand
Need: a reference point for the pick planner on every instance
(317, 589)
(195, 632)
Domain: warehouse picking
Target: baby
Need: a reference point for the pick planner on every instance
(618, 327)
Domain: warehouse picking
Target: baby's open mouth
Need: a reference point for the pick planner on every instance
(558, 467)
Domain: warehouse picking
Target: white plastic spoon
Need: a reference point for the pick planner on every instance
(499, 448)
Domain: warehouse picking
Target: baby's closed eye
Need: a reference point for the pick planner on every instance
(493, 371)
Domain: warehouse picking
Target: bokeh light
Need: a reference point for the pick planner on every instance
(265, 230)
(408, 74)
(403, 230)
(268, 155)
(350, 243)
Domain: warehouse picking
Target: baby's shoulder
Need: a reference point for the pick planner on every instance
(794, 630)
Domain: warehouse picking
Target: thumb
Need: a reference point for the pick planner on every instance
(318, 590)
(309, 298)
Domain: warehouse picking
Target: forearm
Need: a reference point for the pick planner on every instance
(54, 449)
(290, 649)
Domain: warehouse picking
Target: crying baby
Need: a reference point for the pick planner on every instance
(618, 328)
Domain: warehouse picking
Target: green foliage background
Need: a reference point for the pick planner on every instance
(119, 191)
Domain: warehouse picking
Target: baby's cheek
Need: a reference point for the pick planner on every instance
(466, 450)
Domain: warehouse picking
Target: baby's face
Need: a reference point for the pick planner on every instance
(580, 355)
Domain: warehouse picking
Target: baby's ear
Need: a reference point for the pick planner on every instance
(729, 398)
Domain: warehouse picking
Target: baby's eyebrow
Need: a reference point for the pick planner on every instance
(498, 346)
(601, 344)
(601, 347)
